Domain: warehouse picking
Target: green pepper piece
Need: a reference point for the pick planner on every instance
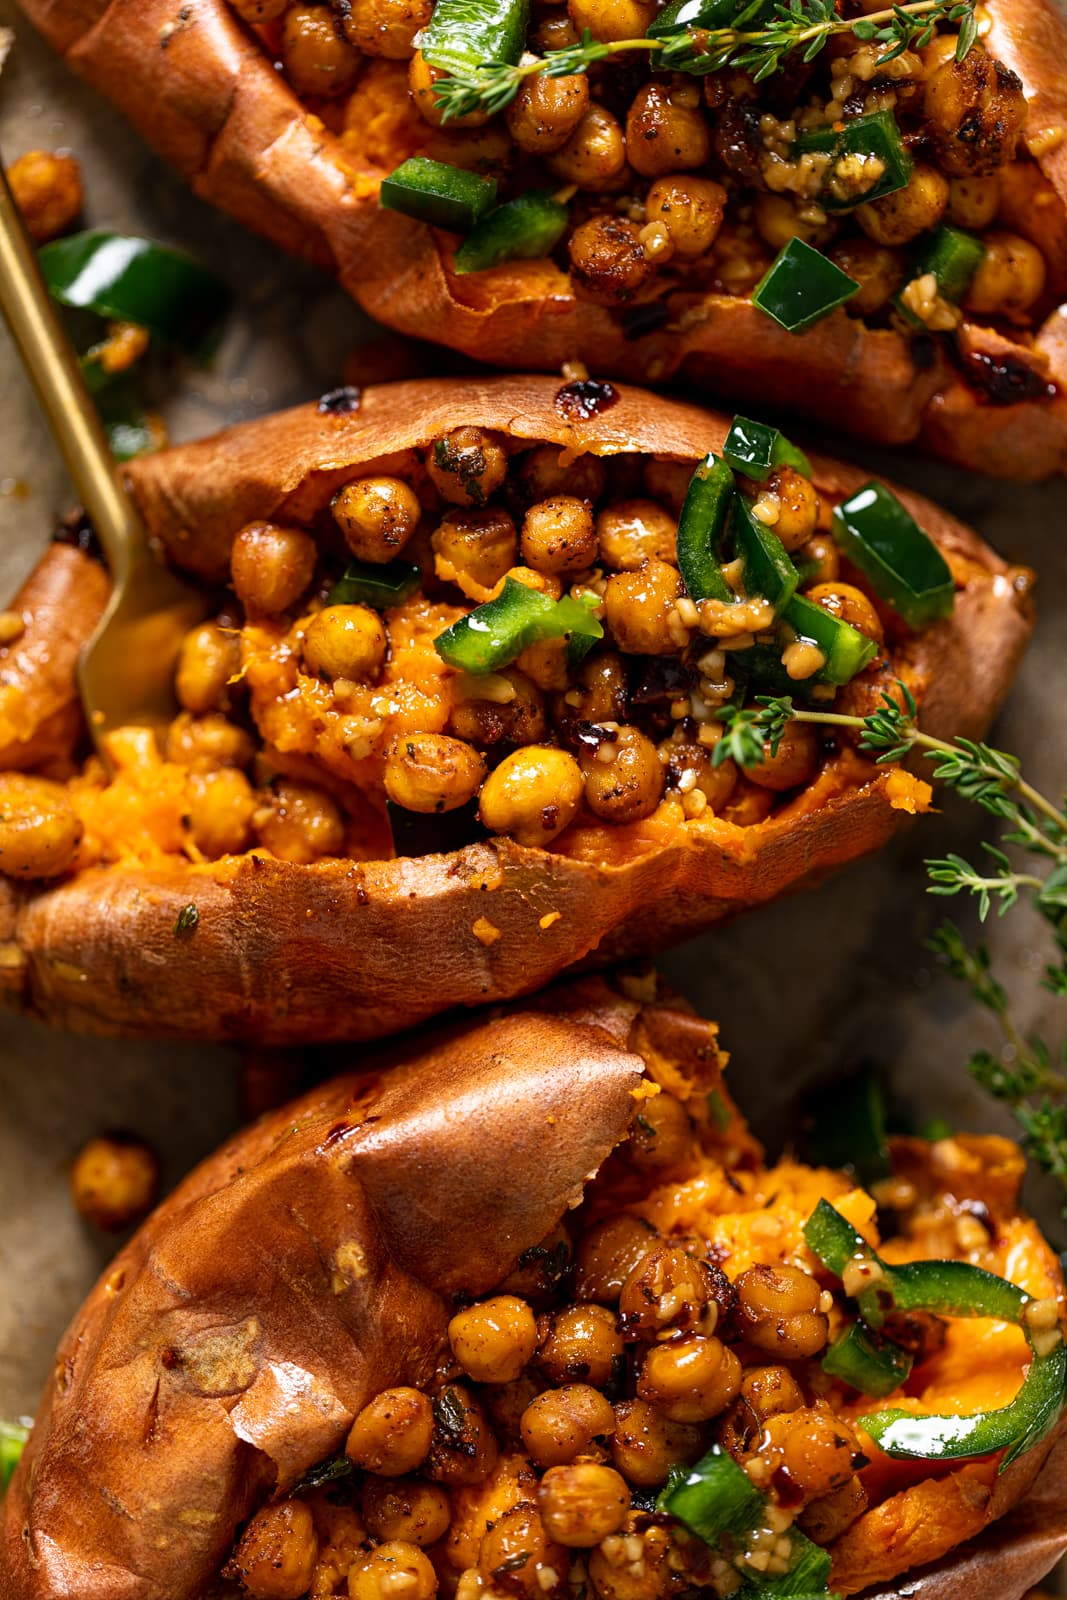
(876, 136)
(679, 16)
(467, 33)
(768, 569)
(953, 256)
(903, 564)
(802, 286)
(701, 525)
(712, 1497)
(523, 229)
(808, 1576)
(491, 635)
(846, 649)
(872, 1365)
(13, 1438)
(364, 584)
(434, 192)
(755, 449)
(135, 280)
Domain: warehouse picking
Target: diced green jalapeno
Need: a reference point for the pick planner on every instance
(880, 536)
(362, 583)
(135, 280)
(952, 256)
(768, 569)
(475, 32)
(756, 449)
(523, 229)
(491, 635)
(801, 287)
(867, 160)
(13, 1438)
(846, 650)
(434, 192)
(871, 1364)
(701, 526)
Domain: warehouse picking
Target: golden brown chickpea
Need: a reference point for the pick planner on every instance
(563, 1423)
(817, 1448)
(630, 786)
(546, 111)
(210, 656)
(512, 1557)
(691, 210)
(827, 1518)
(494, 1339)
(1008, 279)
(554, 31)
(582, 1503)
(716, 784)
(539, 1270)
(474, 549)
(467, 466)
(391, 1435)
(204, 743)
(778, 1311)
(878, 270)
(464, 1449)
(974, 113)
(660, 1134)
(748, 805)
(973, 202)
(690, 1380)
(221, 808)
(558, 536)
(770, 1390)
(430, 772)
(798, 506)
(844, 600)
(631, 532)
(385, 27)
(345, 641)
(422, 79)
(639, 608)
(613, 1576)
(546, 470)
(48, 191)
(608, 1253)
(301, 823)
(394, 1568)
(377, 516)
(595, 154)
(276, 1555)
(899, 217)
(664, 132)
(518, 720)
(405, 1508)
(795, 761)
(646, 1444)
(611, 19)
(597, 693)
(533, 794)
(579, 1344)
(39, 829)
(317, 58)
(114, 1181)
(821, 557)
(608, 261)
(779, 218)
(257, 12)
(271, 566)
(667, 1292)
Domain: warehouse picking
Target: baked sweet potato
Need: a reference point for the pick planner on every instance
(987, 393)
(251, 855)
(303, 1296)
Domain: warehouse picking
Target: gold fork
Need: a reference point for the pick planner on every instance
(126, 671)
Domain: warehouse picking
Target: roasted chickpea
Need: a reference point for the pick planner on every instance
(494, 1339)
(690, 1380)
(608, 261)
(779, 218)
(716, 784)
(582, 1503)
(558, 536)
(475, 549)
(631, 532)
(777, 1310)
(827, 1518)
(276, 1555)
(821, 557)
(770, 1390)
(385, 27)
(204, 743)
(660, 1134)
(405, 1508)
(665, 133)
(317, 58)
(793, 764)
(533, 794)
(464, 1449)
(973, 202)
(301, 823)
(639, 608)
(878, 270)
(579, 1344)
(271, 566)
(974, 113)
(546, 470)
(599, 692)
(345, 641)
(47, 187)
(817, 1448)
(1008, 279)
(563, 1423)
(430, 772)
(595, 154)
(114, 1181)
(377, 516)
(391, 1435)
(467, 466)
(395, 1567)
(667, 1292)
(538, 1271)
(844, 600)
(691, 210)
(210, 657)
(516, 719)
(39, 829)
(611, 19)
(748, 804)
(512, 1557)
(899, 217)
(646, 1444)
(546, 111)
(798, 506)
(422, 78)
(221, 808)
(608, 1253)
(630, 785)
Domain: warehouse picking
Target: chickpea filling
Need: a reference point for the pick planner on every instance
(677, 1310)
(679, 186)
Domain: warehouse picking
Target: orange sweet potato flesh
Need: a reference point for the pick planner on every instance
(203, 91)
(311, 1262)
(272, 954)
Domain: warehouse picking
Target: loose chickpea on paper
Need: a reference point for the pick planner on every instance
(114, 1181)
(47, 186)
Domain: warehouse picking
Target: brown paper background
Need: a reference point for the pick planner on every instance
(802, 989)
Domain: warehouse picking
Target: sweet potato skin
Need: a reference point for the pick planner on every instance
(271, 956)
(203, 92)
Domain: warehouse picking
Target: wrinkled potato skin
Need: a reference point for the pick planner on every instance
(211, 104)
(270, 959)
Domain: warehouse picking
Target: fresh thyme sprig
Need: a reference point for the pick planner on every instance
(1027, 1075)
(806, 26)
